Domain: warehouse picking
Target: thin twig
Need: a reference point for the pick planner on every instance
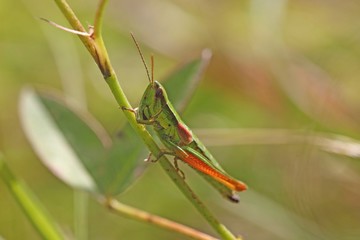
(76, 24)
(86, 34)
(136, 214)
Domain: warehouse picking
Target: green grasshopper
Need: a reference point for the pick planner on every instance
(156, 110)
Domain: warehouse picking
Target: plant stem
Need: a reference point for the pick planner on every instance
(99, 18)
(96, 48)
(81, 205)
(32, 208)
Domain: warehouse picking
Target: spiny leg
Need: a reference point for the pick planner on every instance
(140, 121)
(162, 153)
(178, 169)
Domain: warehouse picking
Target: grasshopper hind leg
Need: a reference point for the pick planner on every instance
(162, 153)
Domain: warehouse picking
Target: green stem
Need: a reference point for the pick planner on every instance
(101, 57)
(34, 211)
(81, 206)
(99, 18)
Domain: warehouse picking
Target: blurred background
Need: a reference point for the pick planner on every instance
(278, 107)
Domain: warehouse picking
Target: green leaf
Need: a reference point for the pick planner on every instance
(30, 205)
(181, 84)
(124, 163)
(45, 131)
(76, 148)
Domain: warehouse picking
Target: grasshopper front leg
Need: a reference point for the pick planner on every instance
(141, 120)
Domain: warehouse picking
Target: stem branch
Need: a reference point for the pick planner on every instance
(136, 214)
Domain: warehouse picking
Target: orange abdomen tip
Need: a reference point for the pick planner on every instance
(199, 165)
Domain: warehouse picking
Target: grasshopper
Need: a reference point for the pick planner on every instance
(156, 110)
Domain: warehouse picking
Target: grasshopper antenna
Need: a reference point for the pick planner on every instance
(152, 68)
(143, 60)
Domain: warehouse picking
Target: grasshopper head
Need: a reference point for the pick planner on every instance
(152, 102)
(154, 97)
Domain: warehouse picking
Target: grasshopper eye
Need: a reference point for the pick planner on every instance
(145, 113)
(144, 116)
(159, 93)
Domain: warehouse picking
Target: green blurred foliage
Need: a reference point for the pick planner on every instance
(276, 64)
